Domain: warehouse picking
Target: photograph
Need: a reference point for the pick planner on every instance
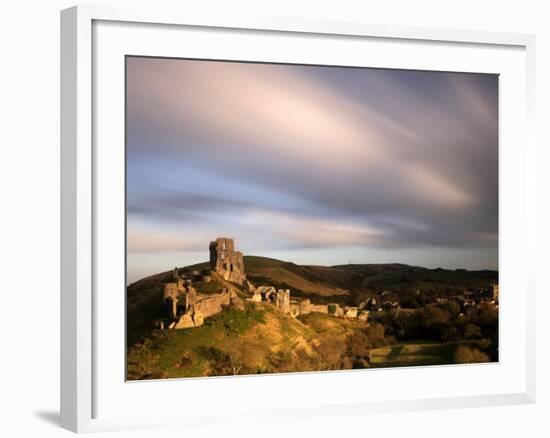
(275, 219)
(285, 218)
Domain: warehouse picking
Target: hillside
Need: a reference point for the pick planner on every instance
(259, 339)
(341, 280)
(315, 282)
(344, 284)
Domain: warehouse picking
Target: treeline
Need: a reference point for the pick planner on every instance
(447, 322)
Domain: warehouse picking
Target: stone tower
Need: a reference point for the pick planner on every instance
(226, 261)
(282, 300)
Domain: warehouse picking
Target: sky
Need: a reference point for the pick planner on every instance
(310, 164)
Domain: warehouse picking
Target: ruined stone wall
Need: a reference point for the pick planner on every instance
(174, 299)
(335, 309)
(305, 306)
(294, 309)
(191, 297)
(201, 307)
(212, 304)
(170, 291)
(363, 315)
(319, 308)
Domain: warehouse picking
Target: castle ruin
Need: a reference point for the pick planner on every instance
(188, 308)
(226, 261)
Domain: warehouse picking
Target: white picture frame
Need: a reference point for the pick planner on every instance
(85, 64)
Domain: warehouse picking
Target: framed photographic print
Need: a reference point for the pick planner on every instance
(257, 208)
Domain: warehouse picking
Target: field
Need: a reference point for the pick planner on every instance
(411, 353)
(422, 352)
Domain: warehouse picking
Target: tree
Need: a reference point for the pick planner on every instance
(331, 354)
(450, 333)
(472, 331)
(488, 315)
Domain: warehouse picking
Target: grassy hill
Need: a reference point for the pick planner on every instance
(315, 282)
(259, 339)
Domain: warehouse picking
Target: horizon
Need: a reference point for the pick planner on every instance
(317, 165)
(317, 265)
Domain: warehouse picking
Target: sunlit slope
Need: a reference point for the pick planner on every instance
(259, 339)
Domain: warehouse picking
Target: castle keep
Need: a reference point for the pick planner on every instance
(226, 261)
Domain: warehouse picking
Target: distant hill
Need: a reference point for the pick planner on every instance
(349, 284)
(311, 281)
(399, 276)
(331, 281)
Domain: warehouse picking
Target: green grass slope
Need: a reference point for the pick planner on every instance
(259, 339)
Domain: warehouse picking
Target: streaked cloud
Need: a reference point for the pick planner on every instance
(283, 156)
